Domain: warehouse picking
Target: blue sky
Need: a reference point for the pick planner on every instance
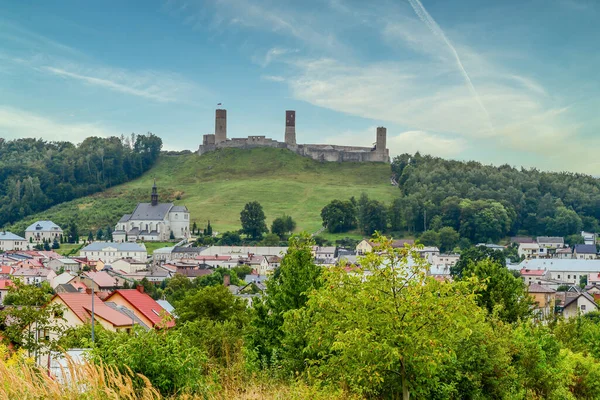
(500, 82)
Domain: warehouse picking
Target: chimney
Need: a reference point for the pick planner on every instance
(88, 290)
(226, 280)
(140, 288)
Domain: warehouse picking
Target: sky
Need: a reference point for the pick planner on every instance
(502, 82)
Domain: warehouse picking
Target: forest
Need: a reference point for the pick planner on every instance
(480, 203)
(36, 174)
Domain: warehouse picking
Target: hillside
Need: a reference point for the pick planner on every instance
(216, 187)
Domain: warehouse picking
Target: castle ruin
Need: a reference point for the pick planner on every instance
(319, 152)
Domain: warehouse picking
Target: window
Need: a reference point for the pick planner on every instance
(568, 276)
(582, 307)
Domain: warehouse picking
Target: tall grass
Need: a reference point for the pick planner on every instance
(21, 379)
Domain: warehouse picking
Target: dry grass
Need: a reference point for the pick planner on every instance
(21, 379)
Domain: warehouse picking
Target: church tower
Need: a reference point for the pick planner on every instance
(154, 196)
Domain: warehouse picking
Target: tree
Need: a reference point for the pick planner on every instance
(55, 244)
(572, 240)
(253, 220)
(287, 290)
(27, 317)
(90, 237)
(374, 334)
(565, 222)
(270, 239)
(474, 255)
(448, 238)
(230, 239)
(430, 238)
(99, 234)
(73, 232)
(339, 216)
(208, 231)
(283, 226)
(214, 303)
(503, 293)
(374, 217)
(194, 228)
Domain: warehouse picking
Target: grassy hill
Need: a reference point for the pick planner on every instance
(216, 186)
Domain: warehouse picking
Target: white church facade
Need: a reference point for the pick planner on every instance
(153, 221)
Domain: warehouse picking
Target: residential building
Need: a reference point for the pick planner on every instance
(575, 303)
(564, 253)
(366, 246)
(153, 221)
(324, 255)
(566, 271)
(181, 252)
(162, 254)
(9, 241)
(66, 264)
(522, 239)
(530, 250)
(531, 276)
(143, 306)
(109, 251)
(34, 276)
(551, 242)
(544, 298)
(5, 284)
(77, 311)
(243, 251)
(43, 231)
(101, 281)
(585, 252)
(589, 238)
(128, 265)
(63, 278)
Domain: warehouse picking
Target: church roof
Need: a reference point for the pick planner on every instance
(125, 218)
(179, 209)
(146, 211)
(43, 226)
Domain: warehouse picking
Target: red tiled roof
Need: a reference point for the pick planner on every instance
(532, 272)
(81, 304)
(5, 283)
(144, 304)
(102, 279)
(5, 269)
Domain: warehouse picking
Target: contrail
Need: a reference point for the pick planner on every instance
(436, 30)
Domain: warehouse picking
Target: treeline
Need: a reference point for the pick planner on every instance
(484, 203)
(35, 174)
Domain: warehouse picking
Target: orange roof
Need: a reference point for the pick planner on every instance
(5, 283)
(5, 269)
(144, 304)
(533, 272)
(81, 304)
(102, 279)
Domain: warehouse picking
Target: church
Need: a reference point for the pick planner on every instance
(153, 221)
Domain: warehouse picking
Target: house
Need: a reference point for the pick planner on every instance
(366, 246)
(5, 284)
(143, 306)
(193, 273)
(551, 242)
(34, 276)
(530, 250)
(66, 264)
(564, 253)
(43, 231)
(428, 253)
(29, 263)
(162, 254)
(5, 271)
(589, 238)
(65, 277)
(544, 298)
(9, 241)
(585, 252)
(77, 311)
(181, 252)
(109, 251)
(491, 246)
(153, 221)
(575, 303)
(531, 276)
(445, 260)
(521, 239)
(66, 288)
(128, 265)
(101, 281)
(565, 271)
(243, 251)
(225, 261)
(325, 254)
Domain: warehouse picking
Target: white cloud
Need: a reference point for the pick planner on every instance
(151, 85)
(275, 53)
(273, 78)
(17, 123)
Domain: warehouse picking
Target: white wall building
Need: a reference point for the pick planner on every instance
(530, 250)
(9, 241)
(109, 252)
(128, 265)
(568, 271)
(153, 221)
(41, 231)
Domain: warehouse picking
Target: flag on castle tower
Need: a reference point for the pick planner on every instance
(218, 104)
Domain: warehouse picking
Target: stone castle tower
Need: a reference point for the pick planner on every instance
(220, 126)
(290, 127)
(381, 143)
